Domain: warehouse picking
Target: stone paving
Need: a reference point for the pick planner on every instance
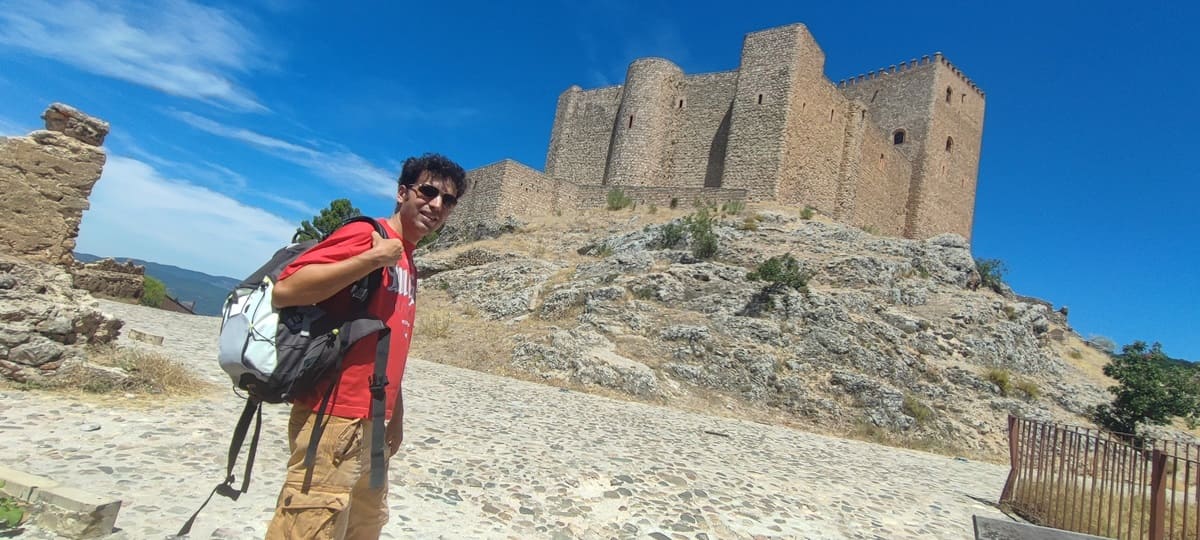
(490, 457)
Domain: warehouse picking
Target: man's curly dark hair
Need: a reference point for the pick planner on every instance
(438, 166)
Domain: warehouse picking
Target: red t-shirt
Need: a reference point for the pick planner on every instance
(392, 303)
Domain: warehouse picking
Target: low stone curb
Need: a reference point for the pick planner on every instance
(63, 510)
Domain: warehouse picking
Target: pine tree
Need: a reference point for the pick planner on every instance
(339, 210)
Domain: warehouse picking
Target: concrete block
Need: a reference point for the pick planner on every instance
(22, 486)
(999, 529)
(75, 513)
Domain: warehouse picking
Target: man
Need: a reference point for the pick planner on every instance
(339, 503)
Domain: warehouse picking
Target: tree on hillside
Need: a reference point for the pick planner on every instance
(154, 291)
(339, 210)
(1153, 388)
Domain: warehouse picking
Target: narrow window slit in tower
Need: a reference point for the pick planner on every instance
(760, 99)
(681, 104)
(949, 94)
(949, 143)
(830, 115)
(873, 96)
(631, 120)
(898, 137)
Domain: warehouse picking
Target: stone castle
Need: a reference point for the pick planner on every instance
(895, 151)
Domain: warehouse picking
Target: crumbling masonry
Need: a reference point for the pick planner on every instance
(894, 150)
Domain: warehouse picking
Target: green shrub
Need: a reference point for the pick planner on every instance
(700, 228)
(807, 212)
(653, 208)
(783, 270)
(1001, 379)
(914, 408)
(669, 235)
(733, 207)
(1152, 388)
(991, 273)
(617, 199)
(674, 202)
(154, 292)
(11, 512)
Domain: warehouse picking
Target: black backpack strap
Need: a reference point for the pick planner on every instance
(310, 455)
(252, 411)
(379, 384)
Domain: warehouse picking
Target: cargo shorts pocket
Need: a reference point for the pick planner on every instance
(348, 444)
(312, 515)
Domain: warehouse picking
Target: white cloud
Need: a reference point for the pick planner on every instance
(8, 128)
(137, 212)
(339, 166)
(174, 46)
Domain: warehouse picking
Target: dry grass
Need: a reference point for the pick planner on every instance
(1078, 508)
(139, 374)
(1086, 361)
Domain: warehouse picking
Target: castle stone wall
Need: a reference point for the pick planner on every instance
(776, 129)
(755, 151)
(815, 133)
(583, 131)
(945, 196)
(646, 123)
(594, 196)
(698, 159)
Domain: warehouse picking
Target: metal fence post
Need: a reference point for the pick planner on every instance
(1013, 459)
(1158, 499)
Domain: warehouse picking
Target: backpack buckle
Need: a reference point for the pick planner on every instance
(378, 384)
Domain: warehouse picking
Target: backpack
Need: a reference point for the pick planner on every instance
(279, 355)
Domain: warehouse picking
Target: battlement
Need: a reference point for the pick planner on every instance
(926, 60)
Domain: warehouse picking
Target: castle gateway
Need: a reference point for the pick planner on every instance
(895, 151)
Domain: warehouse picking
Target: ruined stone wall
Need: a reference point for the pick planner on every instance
(699, 146)
(110, 278)
(582, 134)
(45, 180)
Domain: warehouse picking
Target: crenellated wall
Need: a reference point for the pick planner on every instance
(776, 129)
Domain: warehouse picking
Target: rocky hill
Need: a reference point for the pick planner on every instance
(890, 339)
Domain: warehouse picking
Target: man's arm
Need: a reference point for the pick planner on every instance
(317, 282)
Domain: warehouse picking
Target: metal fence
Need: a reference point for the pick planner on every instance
(1102, 483)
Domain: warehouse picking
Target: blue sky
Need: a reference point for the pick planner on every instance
(233, 121)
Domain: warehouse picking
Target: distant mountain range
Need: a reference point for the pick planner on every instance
(208, 292)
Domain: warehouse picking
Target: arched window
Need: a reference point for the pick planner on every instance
(898, 137)
(949, 143)
(949, 94)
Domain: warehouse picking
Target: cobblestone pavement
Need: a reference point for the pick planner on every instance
(489, 457)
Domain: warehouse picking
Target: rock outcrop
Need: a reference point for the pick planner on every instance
(892, 333)
(45, 180)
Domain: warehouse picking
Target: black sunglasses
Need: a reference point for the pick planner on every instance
(430, 193)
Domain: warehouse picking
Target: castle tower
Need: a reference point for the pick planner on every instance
(645, 123)
(934, 116)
